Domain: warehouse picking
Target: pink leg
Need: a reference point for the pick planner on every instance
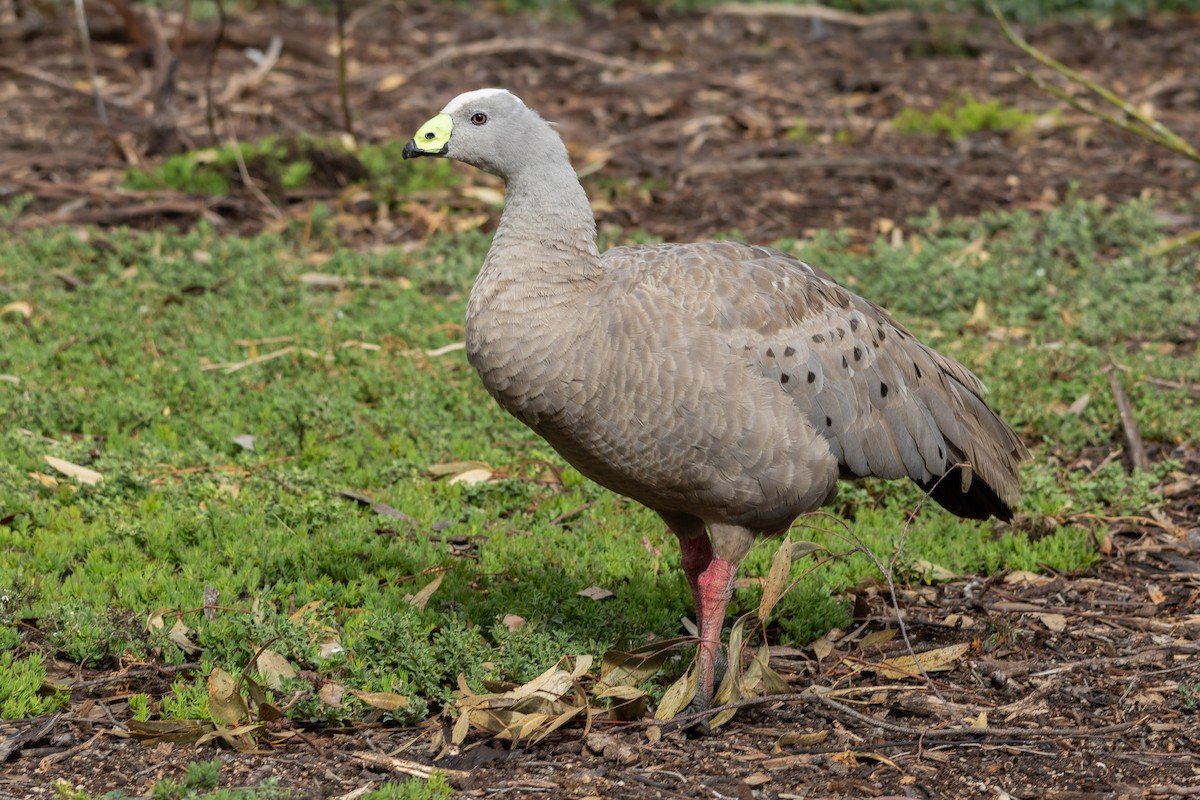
(713, 593)
(710, 577)
(696, 554)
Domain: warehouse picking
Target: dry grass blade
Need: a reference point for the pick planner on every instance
(1138, 123)
(781, 564)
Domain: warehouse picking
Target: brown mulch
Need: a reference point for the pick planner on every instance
(1077, 685)
(1083, 686)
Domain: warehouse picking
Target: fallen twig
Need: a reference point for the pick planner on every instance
(814, 11)
(50, 79)
(85, 39)
(239, 83)
(457, 778)
(109, 216)
(343, 87)
(797, 163)
(14, 742)
(1133, 436)
(1137, 122)
(258, 193)
(474, 50)
(62, 755)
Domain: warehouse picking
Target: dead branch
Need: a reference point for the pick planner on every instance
(457, 778)
(466, 52)
(1133, 436)
(258, 193)
(210, 113)
(112, 216)
(239, 83)
(343, 88)
(817, 12)
(799, 163)
(50, 79)
(85, 41)
(1135, 121)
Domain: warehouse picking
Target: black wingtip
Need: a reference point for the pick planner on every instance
(979, 501)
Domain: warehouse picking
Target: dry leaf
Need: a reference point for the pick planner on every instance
(937, 660)
(21, 307)
(331, 694)
(805, 548)
(1081, 403)
(878, 637)
(49, 481)
(513, 622)
(620, 668)
(81, 474)
(933, 573)
(1027, 578)
(677, 696)
(822, 648)
(777, 578)
(388, 701)
(799, 740)
(390, 83)
(1055, 622)
(455, 468)
(274, 668)
(757, 779)
(595, 593)
(322, 282)
(421, 598)
(180, 731)
(225, 702)
(179, 635)
(629, 703)
(472, 477)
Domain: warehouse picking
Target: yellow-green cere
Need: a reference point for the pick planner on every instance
(434, 134)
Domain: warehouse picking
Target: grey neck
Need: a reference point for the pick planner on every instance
(547, 229)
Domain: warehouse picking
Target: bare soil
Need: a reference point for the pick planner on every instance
(1077, 686)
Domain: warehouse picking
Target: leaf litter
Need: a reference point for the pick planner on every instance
(1044, 654)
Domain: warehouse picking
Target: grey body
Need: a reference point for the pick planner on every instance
(725, 386)
(726, 381)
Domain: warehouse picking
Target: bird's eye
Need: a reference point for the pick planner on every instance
(478, 118)
(430, 135)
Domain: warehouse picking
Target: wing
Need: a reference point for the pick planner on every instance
(887, 405)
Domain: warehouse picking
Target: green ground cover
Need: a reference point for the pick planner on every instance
(227, 389)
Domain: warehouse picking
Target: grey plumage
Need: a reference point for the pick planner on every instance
(725, 386)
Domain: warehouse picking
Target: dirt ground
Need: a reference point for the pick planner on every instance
(1071, 686)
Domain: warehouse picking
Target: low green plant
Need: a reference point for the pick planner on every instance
(436, 788)
(1189, 694)
(23, 691)
(283, 164)
(155, 381)
(199, 783)
(139, 706)
(186, 700)
(960, 117)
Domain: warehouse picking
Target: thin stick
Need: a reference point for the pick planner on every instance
(258, 193)
(814, 11)
(86, 40)
(1143, 125)
(210, 115)
(1133, 436)
(343, 90)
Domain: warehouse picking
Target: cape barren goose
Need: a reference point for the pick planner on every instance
(725, 386)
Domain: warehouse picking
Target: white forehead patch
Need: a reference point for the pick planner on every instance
(467, 98)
